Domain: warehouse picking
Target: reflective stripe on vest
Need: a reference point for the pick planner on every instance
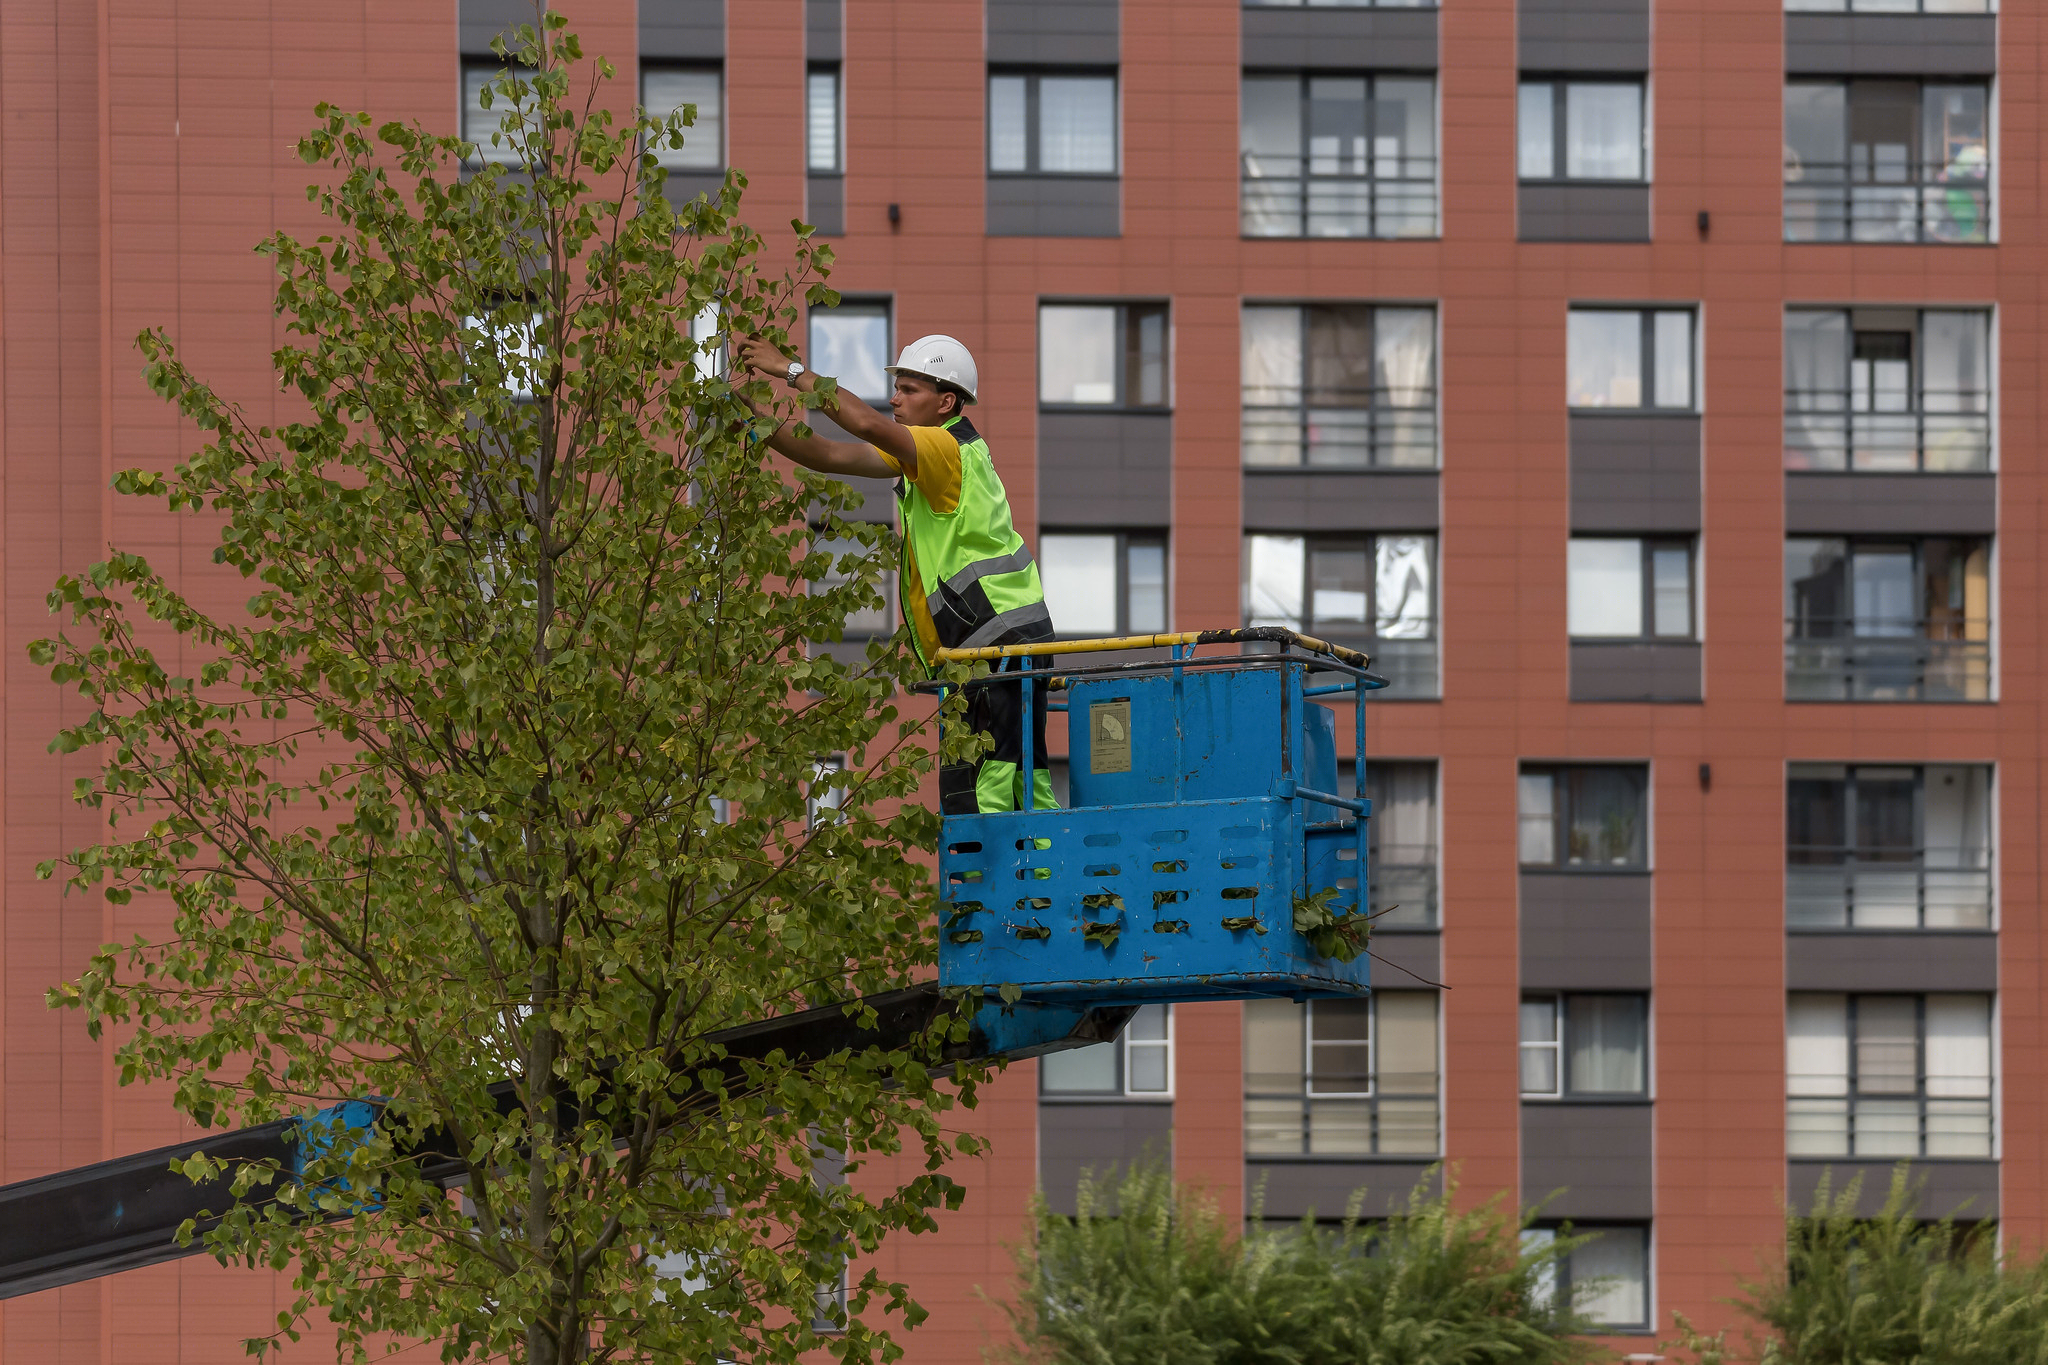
(967, 578)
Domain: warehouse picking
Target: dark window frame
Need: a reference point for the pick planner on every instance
(1559, 133)
(837, 71)
(1122, 1092)
(1650, 544)
(1809, 865)
(1376, 443)
(1560, 1003)
(1126, 538)
(1810, 407)
(1367, 1100)
(1561, 801)
(1032, 76)
(886, 303)
(1924, 182)
(1646, 356)
(1371, 179)
(705, 66)
(1127, 348)
(1369, 542)
(1920, 1095)
(1565, 1290)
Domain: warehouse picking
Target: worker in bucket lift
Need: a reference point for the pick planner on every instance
(966, 580)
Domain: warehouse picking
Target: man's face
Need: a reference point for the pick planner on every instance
(917, 402)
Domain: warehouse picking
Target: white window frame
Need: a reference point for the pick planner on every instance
(1123, 1091)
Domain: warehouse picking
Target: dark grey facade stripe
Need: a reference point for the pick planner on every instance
(1053, 32)
(1635, 474)
(1106, 1136)
(1287, 1189)
(1055, 206)
(682, 30)
(826, 204)
(1891, 504)
(1109, 469)
(1583, 213)
(1636, 670)
(1406, 958)
(824, 30)
(1585, 931)
(1294, 38)
(1032, 613)
(1875, 960)
(1910, 45)
(1342, 500)
(1965, 1190)
(1593, 36)
(479, 21)
(1598, 1160)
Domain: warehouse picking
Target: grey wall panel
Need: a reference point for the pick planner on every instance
(1074, 1137)
(683, 186)
(1293, 1189)
(1105, 469)
(686, 29)
(1407, 959)
(1586, 931)
(1870, 960)
(1055, 206)
(824, 30)
(1636, 670)
(1584, 213)
(1053, 32)
(1635, 473)
(1891, 45)
(479, 21)
(1966, 1190)
(1346, 38)
(1327, 500)
(826, 203)
(1584, 35)
(1601, 1156)
(1884, 504)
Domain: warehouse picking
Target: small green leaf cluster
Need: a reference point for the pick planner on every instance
(1340, 938)
(504, 783)
(1149, 1271)
(1890, 1288)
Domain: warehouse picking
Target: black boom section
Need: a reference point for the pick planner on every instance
(117, 1215)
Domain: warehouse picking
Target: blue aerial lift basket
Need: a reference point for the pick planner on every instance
(1203, 803)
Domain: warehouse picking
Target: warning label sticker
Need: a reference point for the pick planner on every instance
(1109, 736)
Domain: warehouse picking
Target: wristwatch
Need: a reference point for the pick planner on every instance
(796, 367)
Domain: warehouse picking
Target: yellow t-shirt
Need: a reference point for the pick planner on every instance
(938, 483)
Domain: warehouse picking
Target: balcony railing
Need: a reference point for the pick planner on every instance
(1301, 1125)
(1825, 203)
(1294, 196)
(1954, 437)
(1877, 6)
(1401, 889)
(1906, 888)
(1876, 660)
(1891, 1126)
(1339, 429)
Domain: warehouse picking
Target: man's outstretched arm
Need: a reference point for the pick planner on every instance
(855, 459)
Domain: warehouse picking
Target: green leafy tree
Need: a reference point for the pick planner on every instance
(1149, 1271)
(502, 778)
(1888, 1290)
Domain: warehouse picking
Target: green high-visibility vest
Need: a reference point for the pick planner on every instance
(967, 579)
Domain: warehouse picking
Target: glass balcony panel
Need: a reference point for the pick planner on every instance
(1817, 1128)
(1332, 196)
(1957, 899)
(1835, 666)
(1886, 1128)
(1820, 207)
(1886, 898)
(1959, 1128)
(1272, 1127)
(1408, 1127)
(1409, 666)
(1403, 890)
(1336, 1128)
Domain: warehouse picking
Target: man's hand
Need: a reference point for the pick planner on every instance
(761, 356)
(756, 355)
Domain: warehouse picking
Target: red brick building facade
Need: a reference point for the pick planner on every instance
(1653, 381)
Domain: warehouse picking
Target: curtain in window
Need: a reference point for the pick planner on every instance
(1404, 379)
(1403, 589)
(1006, 123)
(1816, 382)
(1273, 578)
(1077, 124)
(1340, 376)
(1603, 129)
(1403, 811)
(1269, 374)
(1606, 1040)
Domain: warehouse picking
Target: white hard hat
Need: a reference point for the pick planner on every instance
(939, 358)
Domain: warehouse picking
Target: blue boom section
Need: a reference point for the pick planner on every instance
(1204, 804)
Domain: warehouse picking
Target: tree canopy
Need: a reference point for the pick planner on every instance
(511, 771)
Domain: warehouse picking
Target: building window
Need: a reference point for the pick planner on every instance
(1402, 875)
(1052, 123)
(1887, 161)
(1629, 358)
(823, 148)
(1338, 156)
(1377, 593)
(1584, 816)
(1887, 847)
(1606, 1280)
(481, 125)
(876, 622)
(505, 346)
(1338, 386)
(827, 796)
(1888, 389)
(1885, 6)
(665, 89)
(1341, 1077)
(1888, 1075)
(1103, 355)
(1101, 583)
(1895, 619)
(850, 343)
(1626, 588)
(1585, 1046)
(1580, 130)
(1139, 1065)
